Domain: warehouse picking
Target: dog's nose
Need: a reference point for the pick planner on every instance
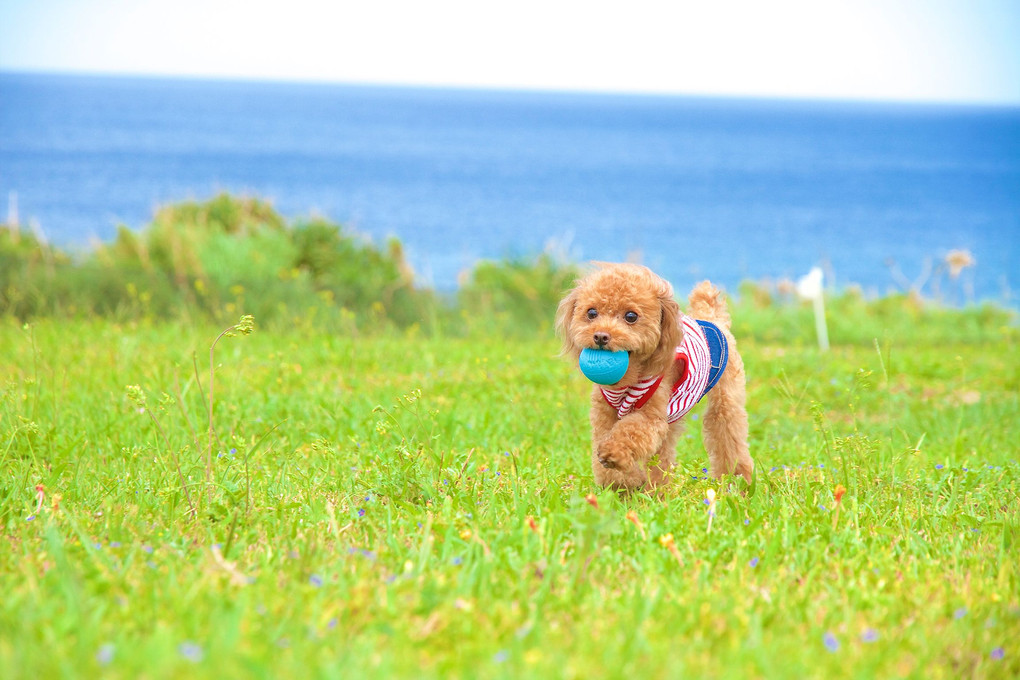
(601, 339)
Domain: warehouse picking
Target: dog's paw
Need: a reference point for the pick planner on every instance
(614, 456)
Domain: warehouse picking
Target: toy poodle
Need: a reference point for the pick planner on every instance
(636, 421)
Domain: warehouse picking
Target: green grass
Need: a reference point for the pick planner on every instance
(398, 505)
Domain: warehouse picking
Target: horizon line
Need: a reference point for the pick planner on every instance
(523, 89)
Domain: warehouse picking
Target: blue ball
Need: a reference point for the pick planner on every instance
(603, 366)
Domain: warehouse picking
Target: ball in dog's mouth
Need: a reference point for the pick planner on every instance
(603, 366)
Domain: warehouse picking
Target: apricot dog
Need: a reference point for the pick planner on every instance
(637, 421)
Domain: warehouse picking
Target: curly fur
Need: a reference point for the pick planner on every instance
(638, 450)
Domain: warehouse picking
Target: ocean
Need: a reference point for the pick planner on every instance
(729, 189)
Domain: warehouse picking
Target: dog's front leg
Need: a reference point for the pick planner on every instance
(623, 447)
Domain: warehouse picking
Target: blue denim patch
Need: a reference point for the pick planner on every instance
(718, 349)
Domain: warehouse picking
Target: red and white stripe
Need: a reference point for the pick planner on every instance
(694, 354)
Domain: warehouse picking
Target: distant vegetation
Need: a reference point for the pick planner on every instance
(215, 259)
(212, 259)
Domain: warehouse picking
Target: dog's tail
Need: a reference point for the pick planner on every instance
(706, 302)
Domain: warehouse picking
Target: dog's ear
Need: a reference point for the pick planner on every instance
(670, 333)
(564, 320)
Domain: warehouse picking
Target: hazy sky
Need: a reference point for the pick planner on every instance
(950, 50)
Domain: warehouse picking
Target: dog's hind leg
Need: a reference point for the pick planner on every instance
(725, 424)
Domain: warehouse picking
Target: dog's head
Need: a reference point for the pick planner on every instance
(622, 307)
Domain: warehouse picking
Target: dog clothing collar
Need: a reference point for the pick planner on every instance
(703, 354)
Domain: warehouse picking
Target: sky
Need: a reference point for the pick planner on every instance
(926, 50)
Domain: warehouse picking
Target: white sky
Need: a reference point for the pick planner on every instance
(947, 50)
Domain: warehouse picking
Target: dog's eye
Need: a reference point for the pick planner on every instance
(592, 313)
(630, 317)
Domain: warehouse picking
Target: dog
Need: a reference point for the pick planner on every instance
(637, 421)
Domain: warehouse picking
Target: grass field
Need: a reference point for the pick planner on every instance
(403, 505)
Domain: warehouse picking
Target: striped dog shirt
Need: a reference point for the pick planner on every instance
(702, 353)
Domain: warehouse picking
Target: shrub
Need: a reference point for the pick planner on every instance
(517, 294)
(210, 258)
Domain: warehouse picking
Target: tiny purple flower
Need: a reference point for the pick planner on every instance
(457, 561)
(315, 580)
(753, 563)
(332, 623)
(361, 512)
(939, 466)
(190, 651)
(869, 635)
(105, 654)
(997, 654)
(30, 518)
(960, 613)
(830, 641)
(500, 656)
(746, 522)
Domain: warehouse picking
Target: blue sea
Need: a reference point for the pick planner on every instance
(731, 189)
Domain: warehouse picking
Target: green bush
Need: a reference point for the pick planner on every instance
(212, 259)
(518, 295)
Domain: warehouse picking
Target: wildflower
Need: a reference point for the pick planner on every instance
(315, 580)
(532, 524)
(997, 654)
(632, 516)
(753, 563)
(190, 651)
(960, 613)
(592, 500)
(500, 656)
(135, 394)
(246, 324)
(830, 642)
(869, 635)
(361, 512)
(669, 544)
(457, 561)
(710, 501)
(939, 466)
(465, 534)
(838, 493)
(105, 654)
